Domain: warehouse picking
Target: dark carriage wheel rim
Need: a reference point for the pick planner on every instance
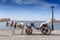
(28, 31)
(46, 30)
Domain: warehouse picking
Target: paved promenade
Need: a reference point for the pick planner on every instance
(7, 35)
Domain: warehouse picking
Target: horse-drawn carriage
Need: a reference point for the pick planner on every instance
(44, 28)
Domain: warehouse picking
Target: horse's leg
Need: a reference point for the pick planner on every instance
(22, 30)
(13, 30)
(11, 26)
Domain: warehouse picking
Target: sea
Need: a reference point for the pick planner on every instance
(37, 24)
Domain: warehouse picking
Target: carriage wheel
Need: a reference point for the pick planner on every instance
(28, 31)
(46, 30)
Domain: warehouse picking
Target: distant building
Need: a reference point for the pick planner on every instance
(57, 21)
(54, 20)
(4, 19)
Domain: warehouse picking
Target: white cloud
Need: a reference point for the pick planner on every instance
(35, 2)
(21, 2)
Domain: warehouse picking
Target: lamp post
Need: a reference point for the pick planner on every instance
(52, 17)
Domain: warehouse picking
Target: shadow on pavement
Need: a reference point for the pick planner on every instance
(33, 35)
(4, 35)
(40, 34)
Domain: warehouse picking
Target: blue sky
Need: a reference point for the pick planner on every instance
(35, 10)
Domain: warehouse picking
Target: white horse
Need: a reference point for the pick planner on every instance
(16, 25)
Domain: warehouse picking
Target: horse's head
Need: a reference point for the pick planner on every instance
(9, 23)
